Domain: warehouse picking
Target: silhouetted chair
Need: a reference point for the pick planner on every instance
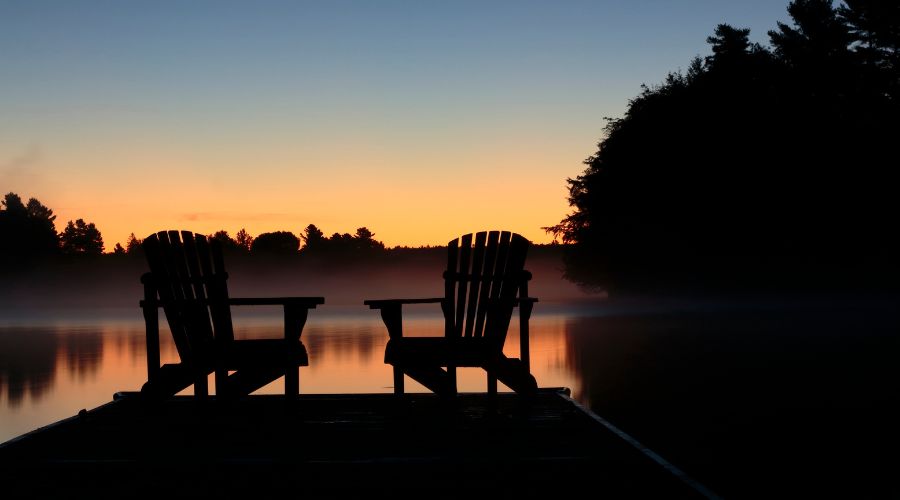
(483, 283)
(187, 279)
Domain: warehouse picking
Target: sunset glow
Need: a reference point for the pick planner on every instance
(418, 121)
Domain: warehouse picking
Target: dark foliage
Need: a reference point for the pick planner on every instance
(340, 246)
(133, 246)
(81, 238)
(243, 240)
(755, 166)
(278, 243)
(27, 231)
(314, 240)
(230, 245)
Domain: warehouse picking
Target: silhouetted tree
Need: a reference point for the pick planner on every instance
(280, 243)
(243, 240)
(12, 204)
(873, 27)
(365, 241)
(119, 249)
(752, 165)
(26, 230)
(43, 227)
(728, 44)
(314, 239)
(341, 244)
(229, 245)
(819, 37)
(133, 245)
(81, 238)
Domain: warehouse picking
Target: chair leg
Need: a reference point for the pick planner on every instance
(451, 376)
(292, 381)
(221, 383)
(201, 386)
(491, 384)
(398, 380)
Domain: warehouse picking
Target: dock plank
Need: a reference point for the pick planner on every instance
(412, 445)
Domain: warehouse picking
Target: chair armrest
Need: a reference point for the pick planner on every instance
(307, 302)
(380, 304)
(295, 313)
(304, 302)
(295, 310)
(392, 312)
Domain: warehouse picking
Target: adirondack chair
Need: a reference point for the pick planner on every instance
(483, 283)
(187, 279)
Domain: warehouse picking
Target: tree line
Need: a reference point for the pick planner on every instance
(312, 241)
(755, 163)
(28, 232)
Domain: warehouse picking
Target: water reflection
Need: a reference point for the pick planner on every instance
(31, 357)
(50, 372)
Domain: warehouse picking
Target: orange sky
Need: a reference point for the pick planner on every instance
(125, 189)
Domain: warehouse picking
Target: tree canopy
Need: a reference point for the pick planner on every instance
(755, 158)
(81, 238)
(27, 230)
(339, 245)
(278, 243)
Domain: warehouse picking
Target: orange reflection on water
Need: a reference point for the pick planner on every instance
(51, 372)
(347, 356)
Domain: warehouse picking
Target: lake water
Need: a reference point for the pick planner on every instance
(50, 370)
(745, 395)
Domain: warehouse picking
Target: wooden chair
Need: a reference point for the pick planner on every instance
(187, 279)
(483, 283)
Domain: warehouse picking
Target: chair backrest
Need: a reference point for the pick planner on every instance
(481, 283)
(188, 273)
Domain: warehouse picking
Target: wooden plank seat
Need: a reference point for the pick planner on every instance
(187, 279)
(484, 281)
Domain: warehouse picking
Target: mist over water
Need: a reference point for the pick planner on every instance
(78, 290)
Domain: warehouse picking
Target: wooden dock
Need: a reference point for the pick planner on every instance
(326, 446)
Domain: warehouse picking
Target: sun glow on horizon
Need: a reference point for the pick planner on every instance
(402, 206)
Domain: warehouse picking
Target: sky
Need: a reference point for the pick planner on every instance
(420, 120)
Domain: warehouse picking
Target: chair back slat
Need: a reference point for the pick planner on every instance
(465, 254)
(193, 264)
(475, 281)
(487, 277)
(217, 288)
(500, 266)
(179, 265)
(450, 288)
(170, 263)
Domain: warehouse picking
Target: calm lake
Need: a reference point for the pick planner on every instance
(795, 394)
